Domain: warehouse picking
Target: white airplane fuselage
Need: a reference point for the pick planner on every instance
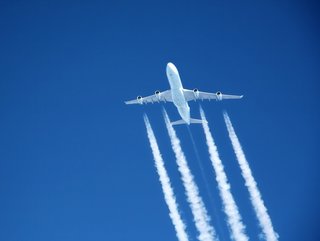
(177, 92)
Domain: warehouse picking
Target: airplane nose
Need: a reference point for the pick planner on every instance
(171, 68)
(169, 65)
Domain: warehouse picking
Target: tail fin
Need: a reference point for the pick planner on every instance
(192, 121)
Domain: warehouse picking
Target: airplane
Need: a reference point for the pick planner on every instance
(180, 96)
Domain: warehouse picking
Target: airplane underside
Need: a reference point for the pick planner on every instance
(180, 96)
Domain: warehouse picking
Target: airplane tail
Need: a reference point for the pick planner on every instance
(179, 122)
(192, 121)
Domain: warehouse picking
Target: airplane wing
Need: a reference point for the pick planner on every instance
(164, 96)
(195, 94)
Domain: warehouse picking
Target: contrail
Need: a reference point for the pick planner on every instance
(230, 207)
(200, 216)
(169, 197)
(255, 196)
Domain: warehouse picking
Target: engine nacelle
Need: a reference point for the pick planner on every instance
(140, 99)
(219, 95)
(158, 94)
(196, 93)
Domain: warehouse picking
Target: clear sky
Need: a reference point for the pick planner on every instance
(75, 162)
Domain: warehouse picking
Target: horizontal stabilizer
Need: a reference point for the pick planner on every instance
(179, 122)
(197, 121)
(192, 121)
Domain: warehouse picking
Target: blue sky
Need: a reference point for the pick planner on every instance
(75, 162)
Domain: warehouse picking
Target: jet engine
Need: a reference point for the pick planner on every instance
(196, 93)
(158, 94)
(219, 95)
(140, 99)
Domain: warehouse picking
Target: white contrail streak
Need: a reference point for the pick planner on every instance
(200, 216)
(169, 197)
(230, 207)
(255, 196)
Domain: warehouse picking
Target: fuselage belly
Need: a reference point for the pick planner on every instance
(177, 93)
